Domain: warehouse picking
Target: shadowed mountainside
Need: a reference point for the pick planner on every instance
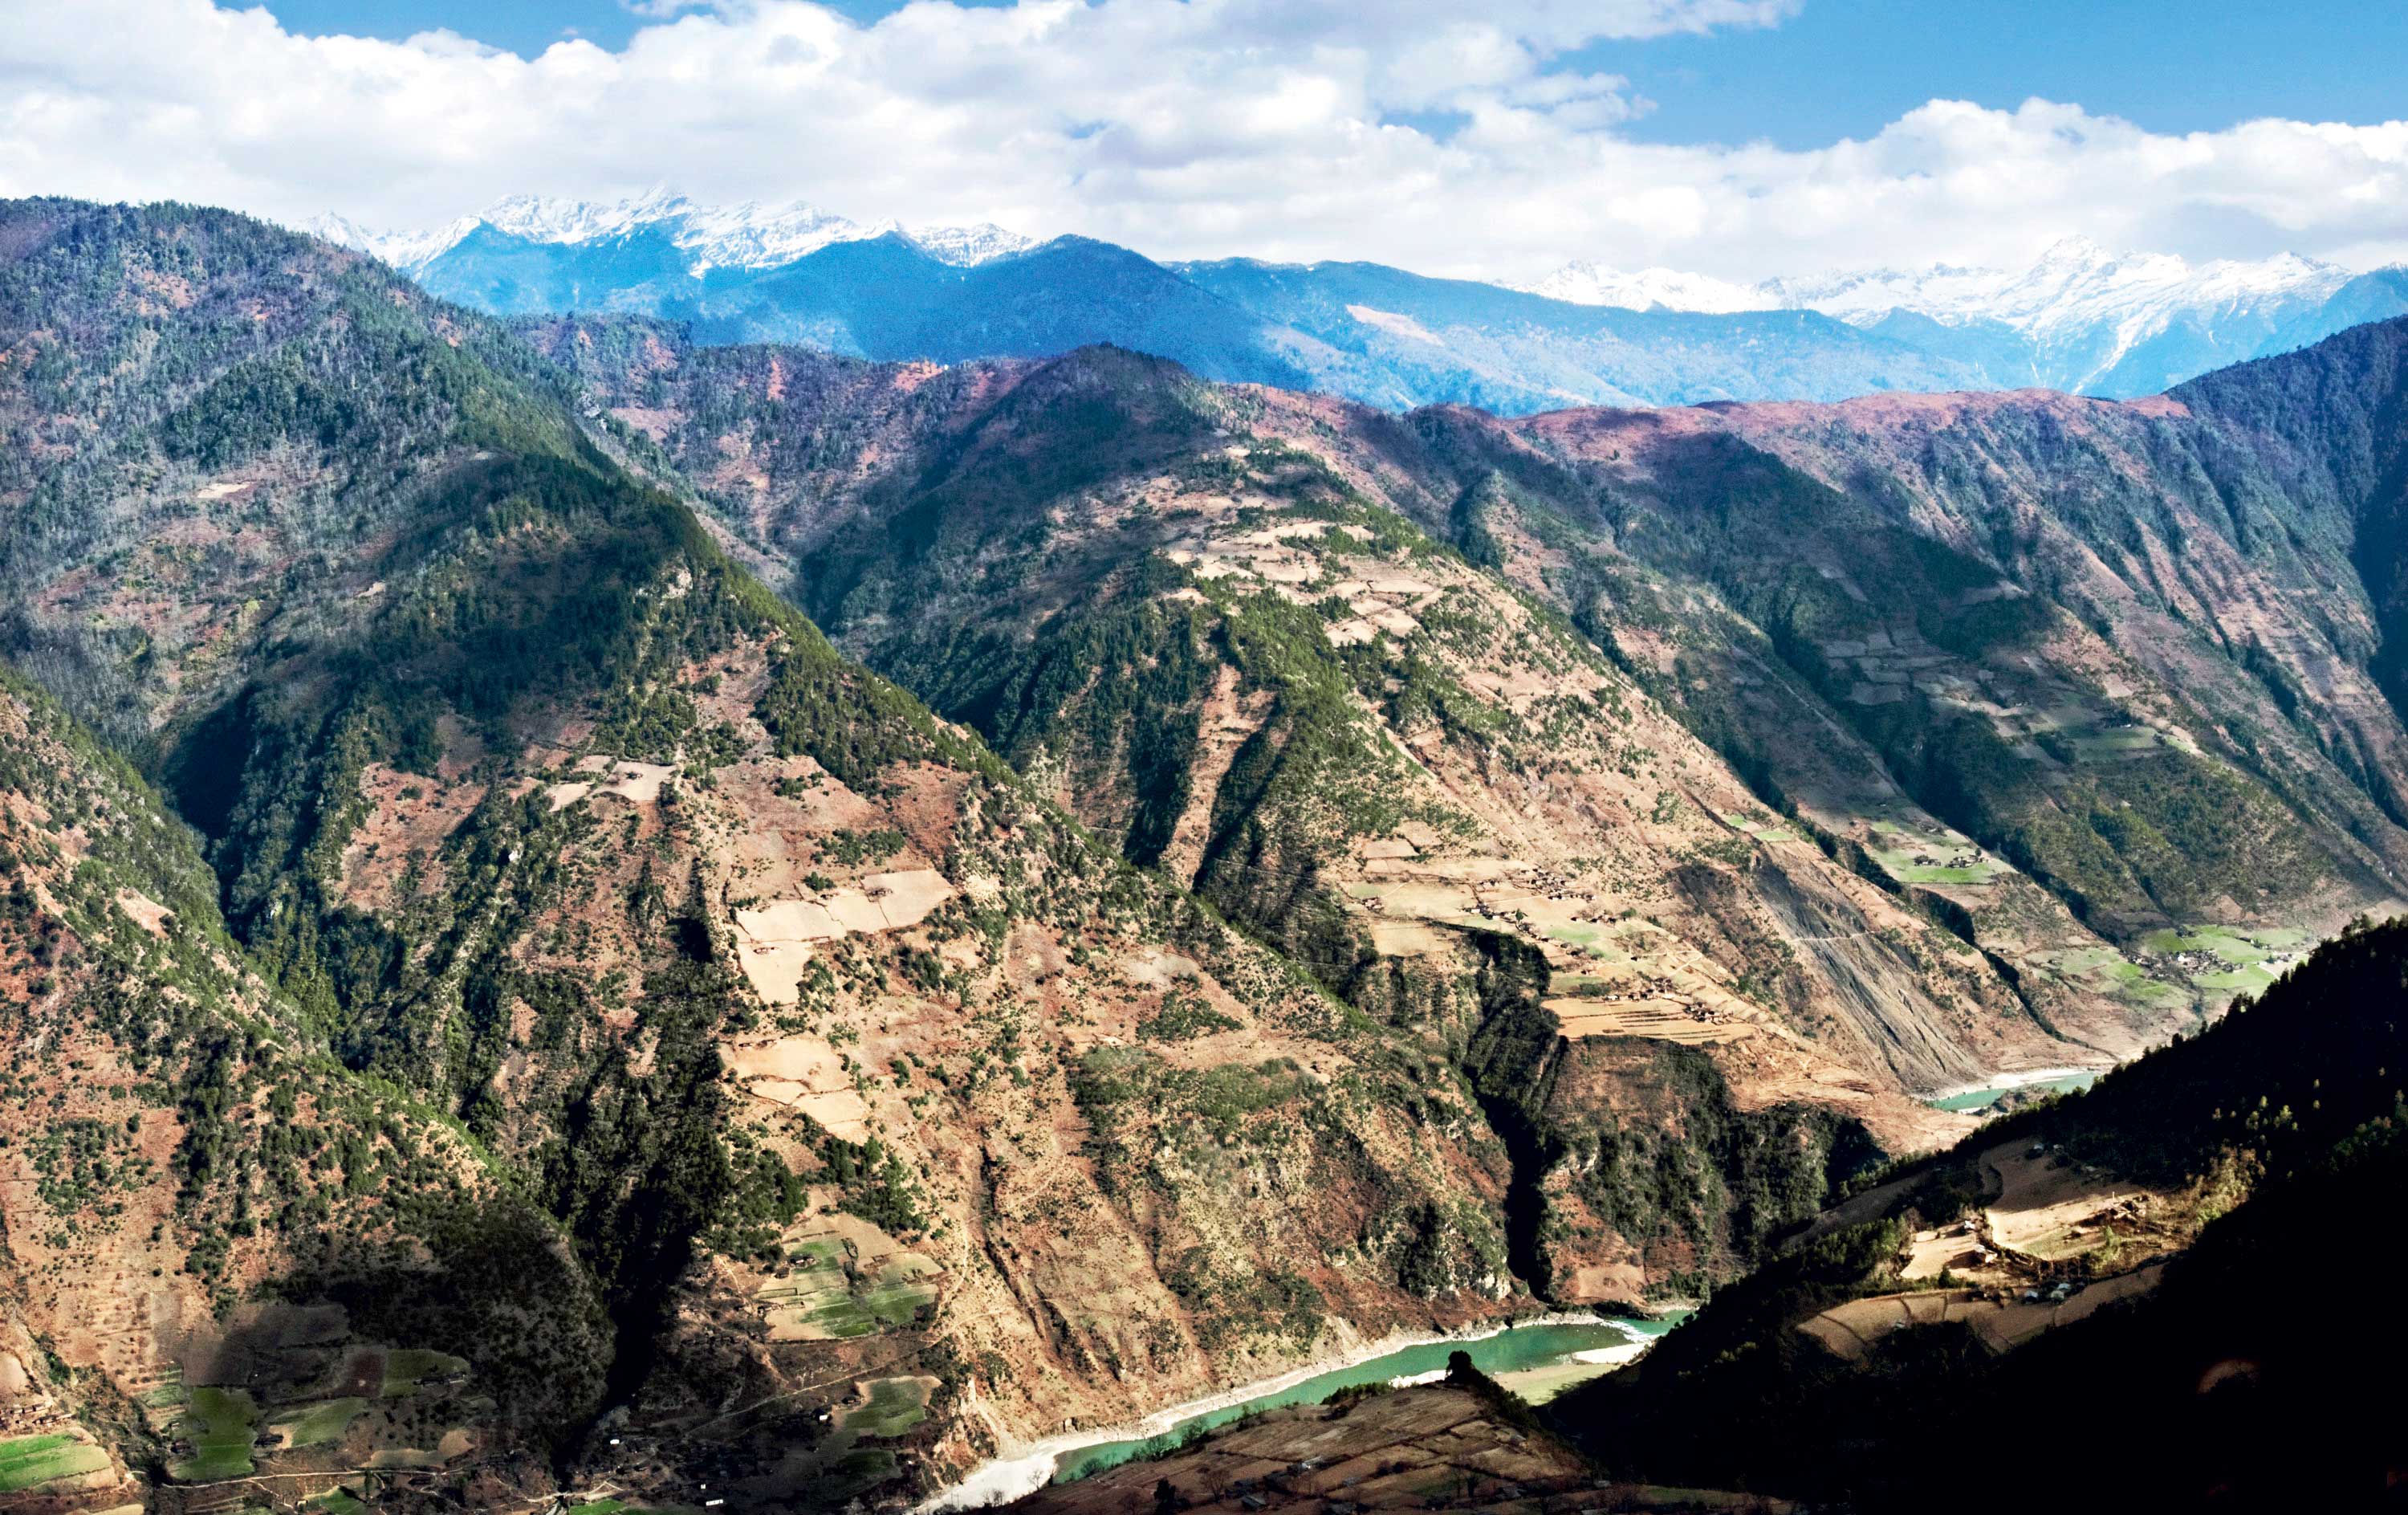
(2205, 1164)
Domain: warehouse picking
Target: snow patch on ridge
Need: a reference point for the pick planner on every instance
(1650, 289)
(965, 247)
(2075, 286)
(2080, 304)
(406, 251)
(748, 236)
(1393, 323)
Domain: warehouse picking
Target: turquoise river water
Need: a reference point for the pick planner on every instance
(1508, 1351)
(1976, 1098)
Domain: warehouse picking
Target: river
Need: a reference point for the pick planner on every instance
(1544, 1353)
(2051, 1080)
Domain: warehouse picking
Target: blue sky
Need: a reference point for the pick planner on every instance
(523, 26)
(1844, 67)
(1836, 68)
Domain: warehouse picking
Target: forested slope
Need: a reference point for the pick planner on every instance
(1357, 870)
(824, 1060)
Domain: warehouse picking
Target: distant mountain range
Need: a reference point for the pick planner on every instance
(606, 898)
(747, 236)
(2082, 319)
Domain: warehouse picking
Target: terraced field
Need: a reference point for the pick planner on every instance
(836, 1284)
(31, 1462)
(314, 1406)
(219, 1426)
(1425, 1447)
(1913, 848)
(890, 1407)
(1851, 1330)
(2228, 961)
(313, 1425)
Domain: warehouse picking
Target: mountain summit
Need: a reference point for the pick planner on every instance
(750, 235)
(2075, 282)
(2081, 317)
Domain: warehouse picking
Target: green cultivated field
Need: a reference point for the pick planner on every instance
(311, 1425)
(29, 1461)
(819, 1293)
(1895, 848)
(899, 1294)
(896, 1405)
(2257, 957)
(220, 1426)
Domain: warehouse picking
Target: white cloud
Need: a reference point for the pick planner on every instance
(1278, 128)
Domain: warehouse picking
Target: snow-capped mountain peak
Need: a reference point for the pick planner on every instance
(2075, 282)
(2080, 309)
(406, 251)
(747, 236)
(1650, 289)
(754, 236)
(1869, 294)
(341, 230)
(541, 219)
(968, 246)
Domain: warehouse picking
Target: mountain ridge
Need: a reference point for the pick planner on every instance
(747, 235)
(2080, 318)
(810, 1055)
(1283, 870)
(2133, 646)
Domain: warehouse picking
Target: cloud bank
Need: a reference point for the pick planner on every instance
(1432, 134)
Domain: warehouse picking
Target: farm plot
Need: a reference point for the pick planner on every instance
(2047, 1211)
(2101, 970)
(219, 1426)
(804, 1073)
(775, 939)
(52, 1457)
(833, 1288)
(889, 1407)
(2231, 962)
(1929, 853)
(295, 1426)
(1663, 1021)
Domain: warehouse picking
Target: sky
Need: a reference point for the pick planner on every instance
(1501, 139)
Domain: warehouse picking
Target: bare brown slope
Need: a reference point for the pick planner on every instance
(2099, 605)
(1110, 500)
(209, 1225)
(829, 1064)
(1378, 755)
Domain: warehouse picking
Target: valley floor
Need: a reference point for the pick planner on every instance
(1558, 1349)
(1435, 1447)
